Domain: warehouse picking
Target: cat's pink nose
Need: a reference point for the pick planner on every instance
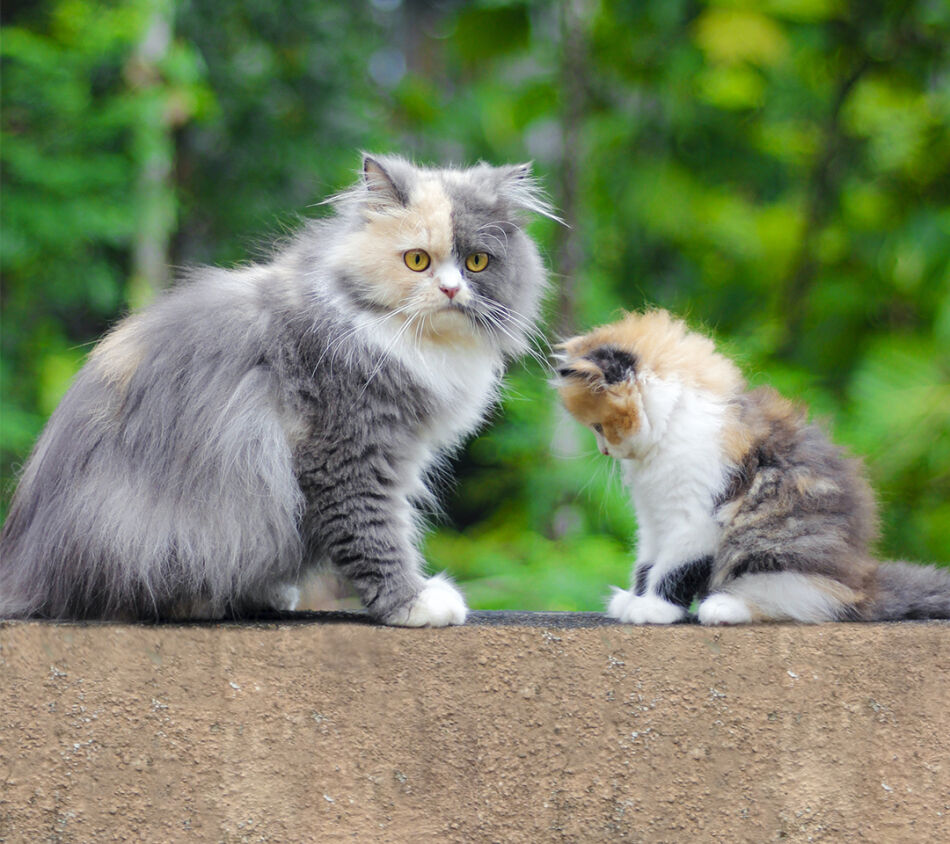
(605, 451)
(449, 289)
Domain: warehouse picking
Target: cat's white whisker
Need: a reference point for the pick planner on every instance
(363, 326)
(385, 355)
(488, 228)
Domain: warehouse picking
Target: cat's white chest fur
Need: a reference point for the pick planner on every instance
(464, 382)
(462, 377)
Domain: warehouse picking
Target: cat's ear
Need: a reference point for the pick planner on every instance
(517, 172)
(382, 190)
(517, 184)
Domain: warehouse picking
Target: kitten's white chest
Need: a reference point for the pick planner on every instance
(674, 487)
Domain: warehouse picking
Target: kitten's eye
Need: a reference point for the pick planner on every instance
(598, 428)
(477, 261)
(416, 259)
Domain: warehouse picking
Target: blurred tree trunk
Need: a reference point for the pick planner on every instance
(154, 150)
(822, 195)
(574, 17)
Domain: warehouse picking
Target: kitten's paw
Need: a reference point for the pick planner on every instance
(643, 609)
(439, 604)
(720, 608)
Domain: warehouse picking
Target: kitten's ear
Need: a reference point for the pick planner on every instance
(581, 369)
(605, 365)
(382, 189)
(616, 364)
(561, 354)
(516, 182)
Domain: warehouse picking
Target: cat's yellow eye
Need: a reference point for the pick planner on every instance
(416, 259)
(477, 261)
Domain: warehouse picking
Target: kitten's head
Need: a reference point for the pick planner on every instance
(444, 248)
(623, 380)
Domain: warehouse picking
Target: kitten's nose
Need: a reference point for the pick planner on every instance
(449, 289)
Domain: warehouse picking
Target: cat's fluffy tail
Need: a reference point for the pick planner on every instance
(908, 590)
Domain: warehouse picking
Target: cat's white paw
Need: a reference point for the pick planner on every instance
(720, 608)
(439, 604)
(643, 609)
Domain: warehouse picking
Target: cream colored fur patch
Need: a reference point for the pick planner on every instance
(119, 354)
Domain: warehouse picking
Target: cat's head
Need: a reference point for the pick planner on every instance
(445, 249)
(623, 380)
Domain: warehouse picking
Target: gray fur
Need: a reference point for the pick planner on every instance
(251, 433)
(805, 506)
(910, 590)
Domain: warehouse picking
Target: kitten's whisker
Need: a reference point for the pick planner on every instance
(592, 476)
(613, 477)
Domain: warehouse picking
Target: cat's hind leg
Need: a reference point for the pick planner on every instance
(778, 596)
(722, 608)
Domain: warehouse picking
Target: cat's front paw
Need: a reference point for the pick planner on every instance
(643, 609)
(439, 604)
(720, 608)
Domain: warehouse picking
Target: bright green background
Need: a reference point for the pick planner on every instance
(777, 171)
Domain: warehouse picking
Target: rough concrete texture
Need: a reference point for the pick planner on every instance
(338, 731)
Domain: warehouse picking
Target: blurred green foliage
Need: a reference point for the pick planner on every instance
(778, 172)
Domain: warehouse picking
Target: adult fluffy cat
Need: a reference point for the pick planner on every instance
(254, 422)
(740, 502)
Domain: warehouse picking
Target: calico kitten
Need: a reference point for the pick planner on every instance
(255, 422)
(740, 502)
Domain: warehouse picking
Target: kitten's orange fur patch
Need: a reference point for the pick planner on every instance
(615, 408)
(662, 345)
(665, 346)
(433, 208)
(737, 438)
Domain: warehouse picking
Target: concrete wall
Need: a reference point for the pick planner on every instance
(334, 731)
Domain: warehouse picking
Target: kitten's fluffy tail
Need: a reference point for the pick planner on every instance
(908, 590)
